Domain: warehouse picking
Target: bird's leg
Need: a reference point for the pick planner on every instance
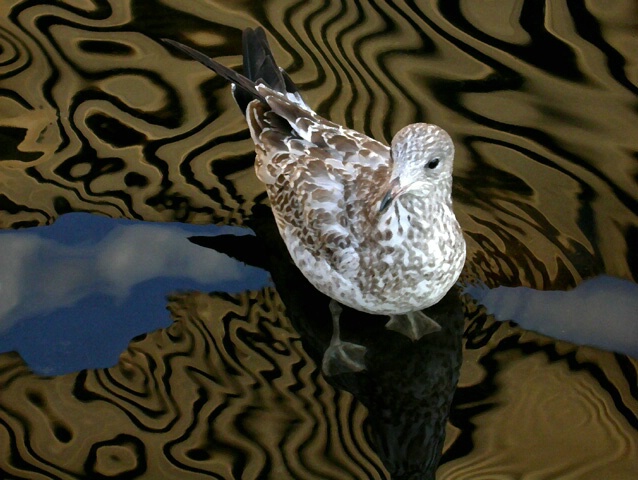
(413, 325)
(341, 357)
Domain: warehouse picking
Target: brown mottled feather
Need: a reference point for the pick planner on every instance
(327, 184)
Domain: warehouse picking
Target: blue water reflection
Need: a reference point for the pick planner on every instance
(601, 312)
(73, 294)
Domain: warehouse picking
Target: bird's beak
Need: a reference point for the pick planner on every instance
(394, 191)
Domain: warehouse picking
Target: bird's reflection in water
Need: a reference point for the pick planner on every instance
(407, 386)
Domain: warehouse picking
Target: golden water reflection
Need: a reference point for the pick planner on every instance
(97, 116)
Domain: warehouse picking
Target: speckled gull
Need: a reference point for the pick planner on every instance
(370, 226)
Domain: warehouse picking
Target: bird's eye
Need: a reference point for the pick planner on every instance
(433, 163)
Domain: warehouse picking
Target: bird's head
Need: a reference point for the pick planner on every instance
(422, 161)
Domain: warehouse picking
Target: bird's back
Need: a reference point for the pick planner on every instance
(321, 178)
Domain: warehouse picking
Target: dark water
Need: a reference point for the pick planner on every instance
(97, 116)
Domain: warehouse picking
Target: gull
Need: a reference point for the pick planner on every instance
(369, 225)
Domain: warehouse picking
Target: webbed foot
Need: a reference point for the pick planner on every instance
(340, 356)
(413, 325)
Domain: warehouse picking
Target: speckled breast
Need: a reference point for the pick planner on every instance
(405, 266)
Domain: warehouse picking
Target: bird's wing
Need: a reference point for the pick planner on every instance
(322, 178)
(324, 181)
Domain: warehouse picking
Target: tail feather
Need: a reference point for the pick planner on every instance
(259, 62)
(259, 67)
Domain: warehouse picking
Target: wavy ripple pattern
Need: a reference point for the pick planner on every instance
(230, 398)
(96, 115)
(553, 397)
(112, 122)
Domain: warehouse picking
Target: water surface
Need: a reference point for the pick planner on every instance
(97, 116)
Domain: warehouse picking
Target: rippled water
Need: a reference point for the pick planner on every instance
(96, 115)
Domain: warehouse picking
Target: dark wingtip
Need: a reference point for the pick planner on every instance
(259, 67)
(259, 62)
(246, 91)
